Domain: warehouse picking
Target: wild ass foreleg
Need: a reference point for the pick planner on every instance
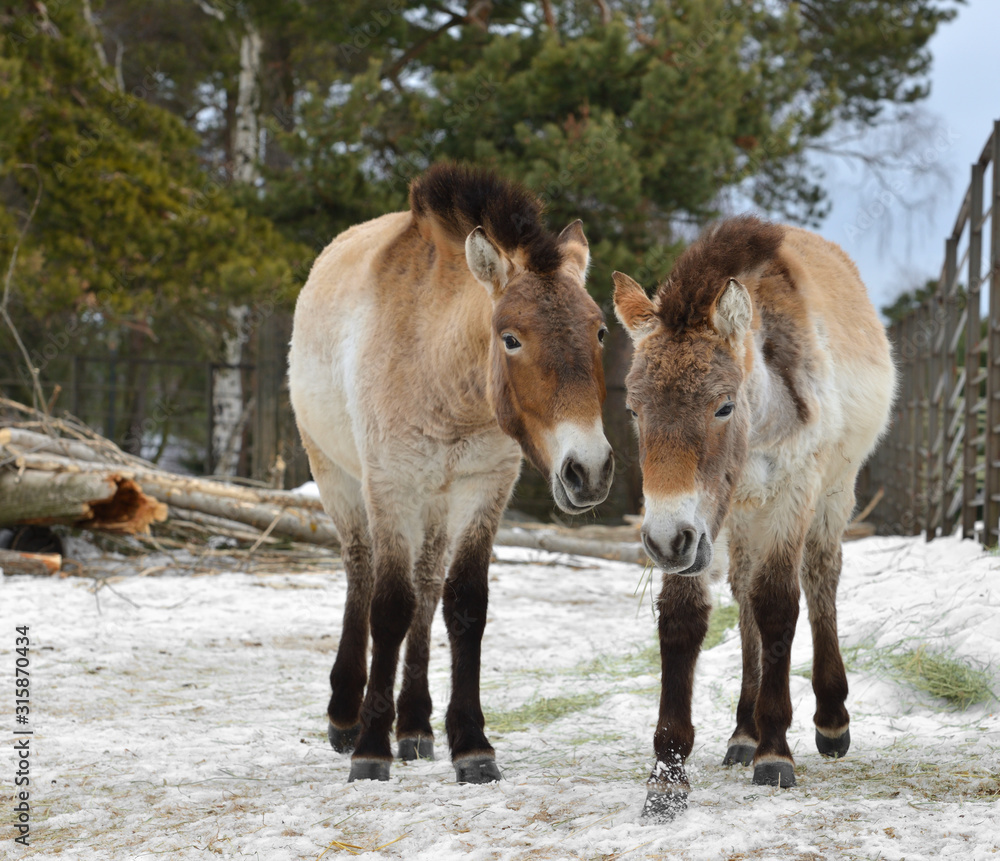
(466, 595)
(392, 607)
(774, 598)
(743, 742)
(820, 575)
(414, 736)
(684, 607)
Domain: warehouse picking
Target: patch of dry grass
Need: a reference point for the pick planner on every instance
(953, 679)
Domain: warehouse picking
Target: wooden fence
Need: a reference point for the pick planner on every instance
(940, 463)
(165, 408)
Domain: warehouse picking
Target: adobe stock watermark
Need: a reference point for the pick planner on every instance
(579, 161)
(121, 107)
(134, 439)
(56, 343)
(364, 33)
(416, 160)
(891, 195)
(26, 27)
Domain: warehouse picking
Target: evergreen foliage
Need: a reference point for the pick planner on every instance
(133, 241)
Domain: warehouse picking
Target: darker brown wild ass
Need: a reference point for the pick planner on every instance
(430, 349)
(761, 381)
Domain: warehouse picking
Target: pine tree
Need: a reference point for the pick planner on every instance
(133, 244)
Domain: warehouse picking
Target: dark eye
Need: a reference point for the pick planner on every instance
(601, 333)
(725, 410)
(631, 412)
(510, 342)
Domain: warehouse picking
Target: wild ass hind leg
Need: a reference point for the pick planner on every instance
(820, 578)
(774, 599)
(343, 501)
(684, 608)
(414, 736)
(743, 742)
(350, 671)
(465, 600)
(392, 607)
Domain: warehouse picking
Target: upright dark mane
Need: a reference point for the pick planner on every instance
(461, 199)
(733, 248)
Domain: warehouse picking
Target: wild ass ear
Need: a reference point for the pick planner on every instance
(575, 247)
(733, 311)
(486, 262)
(633, 307)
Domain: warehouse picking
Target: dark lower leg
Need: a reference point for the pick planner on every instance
(775, 601)
(465, 598)
(743, 742)
(684, 612)
(391, 611)
(414, 706)
(350, 671)
(413, 722)
(821, 573)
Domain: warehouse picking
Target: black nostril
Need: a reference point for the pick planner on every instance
(651, 546)
(684, 541)
(573, 475)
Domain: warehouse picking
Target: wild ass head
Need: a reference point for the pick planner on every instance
(546, 378)
(686, 388)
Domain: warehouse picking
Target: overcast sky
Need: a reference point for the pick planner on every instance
(897, 245)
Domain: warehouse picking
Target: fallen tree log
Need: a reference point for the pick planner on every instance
(284, 514)
(96, 500)
(37, 564)
(561, 542)
(19, 440)
(37, 449)
(281, 514)
(288, 521)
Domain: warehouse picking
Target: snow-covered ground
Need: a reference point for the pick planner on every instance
(183, 717)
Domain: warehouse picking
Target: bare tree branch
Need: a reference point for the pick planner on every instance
(415, 50)
(119, 77)
(211, 10)
(550, 16)
(8, 280)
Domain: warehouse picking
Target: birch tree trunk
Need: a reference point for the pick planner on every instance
(227, 398)
(246, 133)
(227, 387)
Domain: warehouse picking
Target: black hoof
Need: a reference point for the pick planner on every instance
(777, 773)
(662, 807)
(369, 769)
(477, 770)
(740, 754)
(834, 747)
(343, 740)
(415, 748)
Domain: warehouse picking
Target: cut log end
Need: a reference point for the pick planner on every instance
(128, 511)
(37, 564)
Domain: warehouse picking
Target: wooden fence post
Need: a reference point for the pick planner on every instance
(970, 455)
(949, 385)
(991, 483)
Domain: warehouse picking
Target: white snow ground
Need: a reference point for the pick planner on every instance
(183, 717)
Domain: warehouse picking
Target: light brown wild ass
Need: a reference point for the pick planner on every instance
(430, 349)
(761, 381)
